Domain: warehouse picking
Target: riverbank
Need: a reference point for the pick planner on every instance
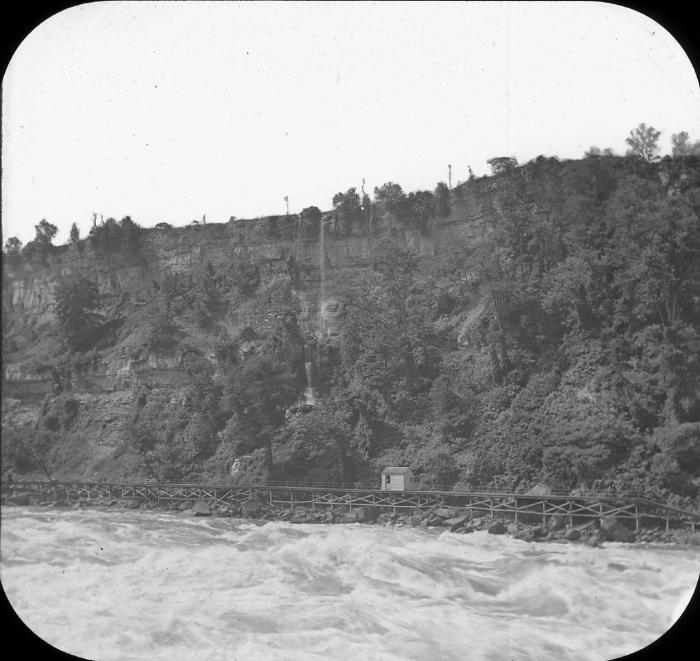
(592, 532)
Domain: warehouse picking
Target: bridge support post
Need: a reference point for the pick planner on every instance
(291, 504)
(636, 516)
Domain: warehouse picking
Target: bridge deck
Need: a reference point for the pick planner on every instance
(637, 507)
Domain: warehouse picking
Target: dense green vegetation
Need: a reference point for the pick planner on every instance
(584, 368)
(561, 347)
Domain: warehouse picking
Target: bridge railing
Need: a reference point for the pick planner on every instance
(356, 486)
(157, 490)
(463, 488)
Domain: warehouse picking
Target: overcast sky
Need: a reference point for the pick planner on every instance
(168, 111)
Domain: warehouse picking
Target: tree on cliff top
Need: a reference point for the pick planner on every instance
(112, 236)
(74, 234)
(12, 246)
(681, 145)
(501, 164)
(391, 195)
(594, 151)
(348, 207)
(442, 200)
(644, 142)
(45, 233)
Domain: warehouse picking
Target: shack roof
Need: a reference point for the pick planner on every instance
(396, 470)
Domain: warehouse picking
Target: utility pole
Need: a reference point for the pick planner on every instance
(449, 177)
(286, 199)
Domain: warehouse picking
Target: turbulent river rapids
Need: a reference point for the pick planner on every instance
(156, 585)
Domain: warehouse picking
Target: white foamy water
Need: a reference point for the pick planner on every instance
(151, 585)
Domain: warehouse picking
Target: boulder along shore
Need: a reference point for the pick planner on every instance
(592, 532)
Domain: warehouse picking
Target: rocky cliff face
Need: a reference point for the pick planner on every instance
(523, 344)
(294, 269)
(267, 242)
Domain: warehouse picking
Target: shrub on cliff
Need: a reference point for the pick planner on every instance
(159, 456)
(418, 210)
(226, 349)
(388, 349)
(173, 289)
(320, 444)
(255, 397)
(163, 335)
(206, 296)
(677, 465)
(310, 222)
(245, 276)
(77, 302)
(431, 457)
(60, 413)
(172, 440)
(26, 447)
(203, 392)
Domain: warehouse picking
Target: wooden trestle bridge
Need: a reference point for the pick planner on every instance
(637, 509)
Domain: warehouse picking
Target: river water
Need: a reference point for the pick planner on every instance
(156, 585)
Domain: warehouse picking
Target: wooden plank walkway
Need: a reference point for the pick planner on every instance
(638, 508)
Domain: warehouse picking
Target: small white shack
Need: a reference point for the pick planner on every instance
(397, 478)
